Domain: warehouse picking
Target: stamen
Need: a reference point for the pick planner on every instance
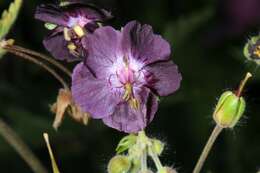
(79, 31)
(128, 92)
(66, 34)
(257, 51)
(72, 47)
(128, 96)
(134, 103)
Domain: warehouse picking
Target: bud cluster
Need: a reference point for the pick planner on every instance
(132, 154)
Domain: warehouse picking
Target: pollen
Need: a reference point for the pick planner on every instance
(66, 34)
(79, 31)
(257, 51)
(72, 47)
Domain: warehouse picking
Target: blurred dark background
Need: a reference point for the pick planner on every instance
(207, 37)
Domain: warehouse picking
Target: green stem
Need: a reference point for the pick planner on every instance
(144, 162)
(21, 148)
(207, 148)
(156, 159)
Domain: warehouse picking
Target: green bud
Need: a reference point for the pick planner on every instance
(167, 170)
(148, 171)
(119, 164)
(157, 146)
(136, 165)
(229, 110)
(252, 49)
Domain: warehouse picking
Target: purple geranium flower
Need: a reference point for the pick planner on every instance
(70, 24)
(123, 75)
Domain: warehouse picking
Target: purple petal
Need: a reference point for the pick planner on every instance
(131, 120)
(51, 14)
(142, 44)
(92, 95)
(104, 47)
(89, 11)
(57, 46)
(61, 15)
(165, 77)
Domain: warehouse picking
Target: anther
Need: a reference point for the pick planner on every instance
(66, 34)
(79, 31)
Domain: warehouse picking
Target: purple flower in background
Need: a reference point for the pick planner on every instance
(69, 24)
(123, 75)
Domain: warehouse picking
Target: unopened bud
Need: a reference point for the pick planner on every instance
(148, 171)
(231, 106)
(157, 146)
(119, 164)
(167, 170)
(229, 110)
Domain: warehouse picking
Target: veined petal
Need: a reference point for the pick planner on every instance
(91, 12)
(52, 14)
(166, 78)
(142, 44)
(104, 48)
(57, 46)
(132, 120)
(93, 95)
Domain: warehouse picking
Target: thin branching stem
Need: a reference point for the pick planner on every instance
(21, 148)
(144, 161)
(42, 56)
(155, 159)
(32, 59)
(207, 148)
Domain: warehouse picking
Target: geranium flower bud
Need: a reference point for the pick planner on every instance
(119, 164)
(157, 146)
(167, 170)
(148, 171)
(229, 109)
(231, 106)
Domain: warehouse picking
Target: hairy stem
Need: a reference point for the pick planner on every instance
(21, 148)
(207, 148)
(35, 61)
(156, 159)
(144, 162)
(42, 56)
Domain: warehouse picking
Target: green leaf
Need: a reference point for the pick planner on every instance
(8, 18)
(125, 143)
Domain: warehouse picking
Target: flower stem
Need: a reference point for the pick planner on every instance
(156, 159)
(21, 148)
(207, 148)
(35, 61)
(144, 162)
(42, 56)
